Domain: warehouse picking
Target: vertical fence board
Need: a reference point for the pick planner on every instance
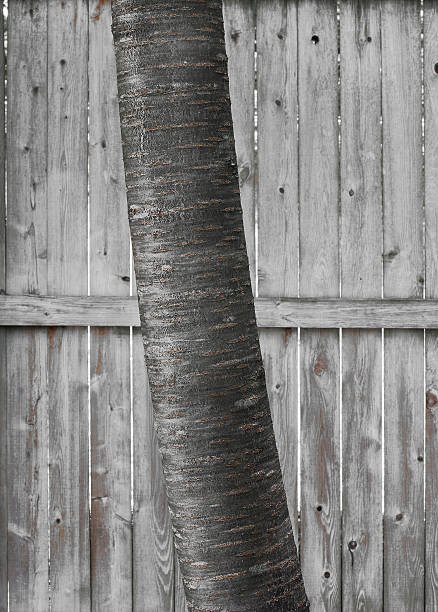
(403, 277)
(319, 276)
(26, 260)
(3, 376)
(361, 254)
(153, 560)
(110, 528)
(431, 210)
(67, 274)
(277, 180)
(239, 20)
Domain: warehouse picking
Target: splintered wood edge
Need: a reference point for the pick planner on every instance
(116, 311)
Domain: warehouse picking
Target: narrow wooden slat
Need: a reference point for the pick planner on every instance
(72, 310)
(239, 21)
(153, 554)
(3, 349)
(110, 527)
(26, 261)
(277, 181)
(403, 277)
(67, 274)
(431, 210)
(319, 276)
(361, 253)
(347, 313)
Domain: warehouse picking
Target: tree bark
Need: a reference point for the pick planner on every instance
(227, 502)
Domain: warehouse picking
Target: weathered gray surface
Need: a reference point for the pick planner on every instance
(19, 310)
(26, 264)
(277, 205)
(361, 252)
(318, 99)
(116, 311)
(403, 277)
(3, 350)
(207, 381)
(239, 21)
(67, 274)
(110, 525)
(155, 581)
(431, 212)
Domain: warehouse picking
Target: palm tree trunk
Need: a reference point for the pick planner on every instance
(227, 502)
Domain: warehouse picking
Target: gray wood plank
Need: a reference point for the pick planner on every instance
(239, 21)
(403, 277)
(28, 546)
(26, 239)
(3, 348)
(431, 291)
(361, 256)
(116, 311)
(347, 313)
(110, 526)
(277, 183)
(98, 311)
(319, 277)
(67, 274)
(153, 552)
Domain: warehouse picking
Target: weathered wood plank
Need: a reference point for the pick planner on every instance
(361, 253)
(153, 554)
(3, 349)
(403, 277)
(431, 211)
(67, 274)
(319, 276)
(116, 311)
(277, 181)
(347, 313)
(26, 259)
(110, 526)
(239, 21)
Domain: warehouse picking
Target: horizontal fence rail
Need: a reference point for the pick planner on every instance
(116, 311)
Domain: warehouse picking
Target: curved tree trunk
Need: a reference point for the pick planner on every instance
(227, 502)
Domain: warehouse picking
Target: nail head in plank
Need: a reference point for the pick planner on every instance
(403, 271)
(110, 522)
(67, 203)
(26, 264)
(361, 256)
(318, 102)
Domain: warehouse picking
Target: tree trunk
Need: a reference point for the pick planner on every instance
(227, 502)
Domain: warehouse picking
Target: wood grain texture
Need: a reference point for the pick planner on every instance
(67, 274)
(431, 212)
(277, 175)
(403, 277)
(277, 205)
(116, 311)
(319, 277)
(239, 23)
(361, 256)
(73, 310)
(154, 559)
(26, 258)
(3, 347)
(110, 526)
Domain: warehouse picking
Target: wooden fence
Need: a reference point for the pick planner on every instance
(335, 106)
